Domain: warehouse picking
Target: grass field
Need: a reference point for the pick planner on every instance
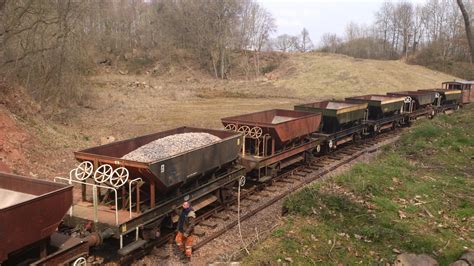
(338, 76)
(417, 196)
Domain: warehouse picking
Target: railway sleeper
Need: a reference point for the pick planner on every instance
(208, 224)
(221, 217)
(301, 174)
(199, 234)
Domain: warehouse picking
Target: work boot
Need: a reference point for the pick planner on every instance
(188, 252)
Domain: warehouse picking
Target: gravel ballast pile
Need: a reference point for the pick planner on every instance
(169, 146)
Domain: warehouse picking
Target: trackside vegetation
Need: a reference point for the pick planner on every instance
(417, 196)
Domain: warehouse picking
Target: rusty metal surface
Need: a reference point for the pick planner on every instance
(26, 222)
(172, 171)
(253, 162)
(284, 125)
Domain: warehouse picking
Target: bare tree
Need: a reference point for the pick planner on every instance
(286, 43)
(305, 43)
(404, 14)
(468, 29)
(330, 43)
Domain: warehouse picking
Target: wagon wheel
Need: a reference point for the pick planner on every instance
(231, 127)
(256, 132)
(245, 130)
(119, 177)
(103, 173)
(81, 261)
(84, 170)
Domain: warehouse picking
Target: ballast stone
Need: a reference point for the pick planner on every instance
(170, 146)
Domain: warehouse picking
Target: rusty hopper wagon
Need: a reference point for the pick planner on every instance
(384, 111)
(274, 139)
(466, 86)
(30, 212)
(134, 199)
(449, 99)
(342, 121)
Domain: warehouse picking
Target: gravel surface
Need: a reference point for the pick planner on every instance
(169, 146)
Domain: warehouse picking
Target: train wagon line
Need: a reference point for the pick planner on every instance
(131, 190)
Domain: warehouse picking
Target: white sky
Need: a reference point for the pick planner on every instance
(321, 16)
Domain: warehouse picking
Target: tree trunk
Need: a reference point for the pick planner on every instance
(467, 24)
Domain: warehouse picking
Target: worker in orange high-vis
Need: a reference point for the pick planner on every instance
(184, 237)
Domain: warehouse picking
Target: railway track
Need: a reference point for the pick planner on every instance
(256, 197)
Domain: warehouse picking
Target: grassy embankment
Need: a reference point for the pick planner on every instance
(417, 196)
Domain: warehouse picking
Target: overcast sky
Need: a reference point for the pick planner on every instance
(321, 16)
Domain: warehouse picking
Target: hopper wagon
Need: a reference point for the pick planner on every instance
(449, 99)
(384, 112)
(135, 199)
(274, 139)
(342, 121)
(423, 103)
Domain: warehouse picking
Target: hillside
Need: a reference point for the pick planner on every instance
(416, 197)
(124, 106)
(330, 75)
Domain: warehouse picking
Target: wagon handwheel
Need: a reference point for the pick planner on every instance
(119, 177)
(256, 132)
(84, 170)
(81, 261)
(103, 173)
(245, 130)
(232, 127)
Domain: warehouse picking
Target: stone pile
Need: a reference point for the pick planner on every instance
(170, 146)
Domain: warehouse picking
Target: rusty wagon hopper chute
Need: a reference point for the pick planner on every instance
(30, 212)
(153, 190)
(342, 121)
(274, 139)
